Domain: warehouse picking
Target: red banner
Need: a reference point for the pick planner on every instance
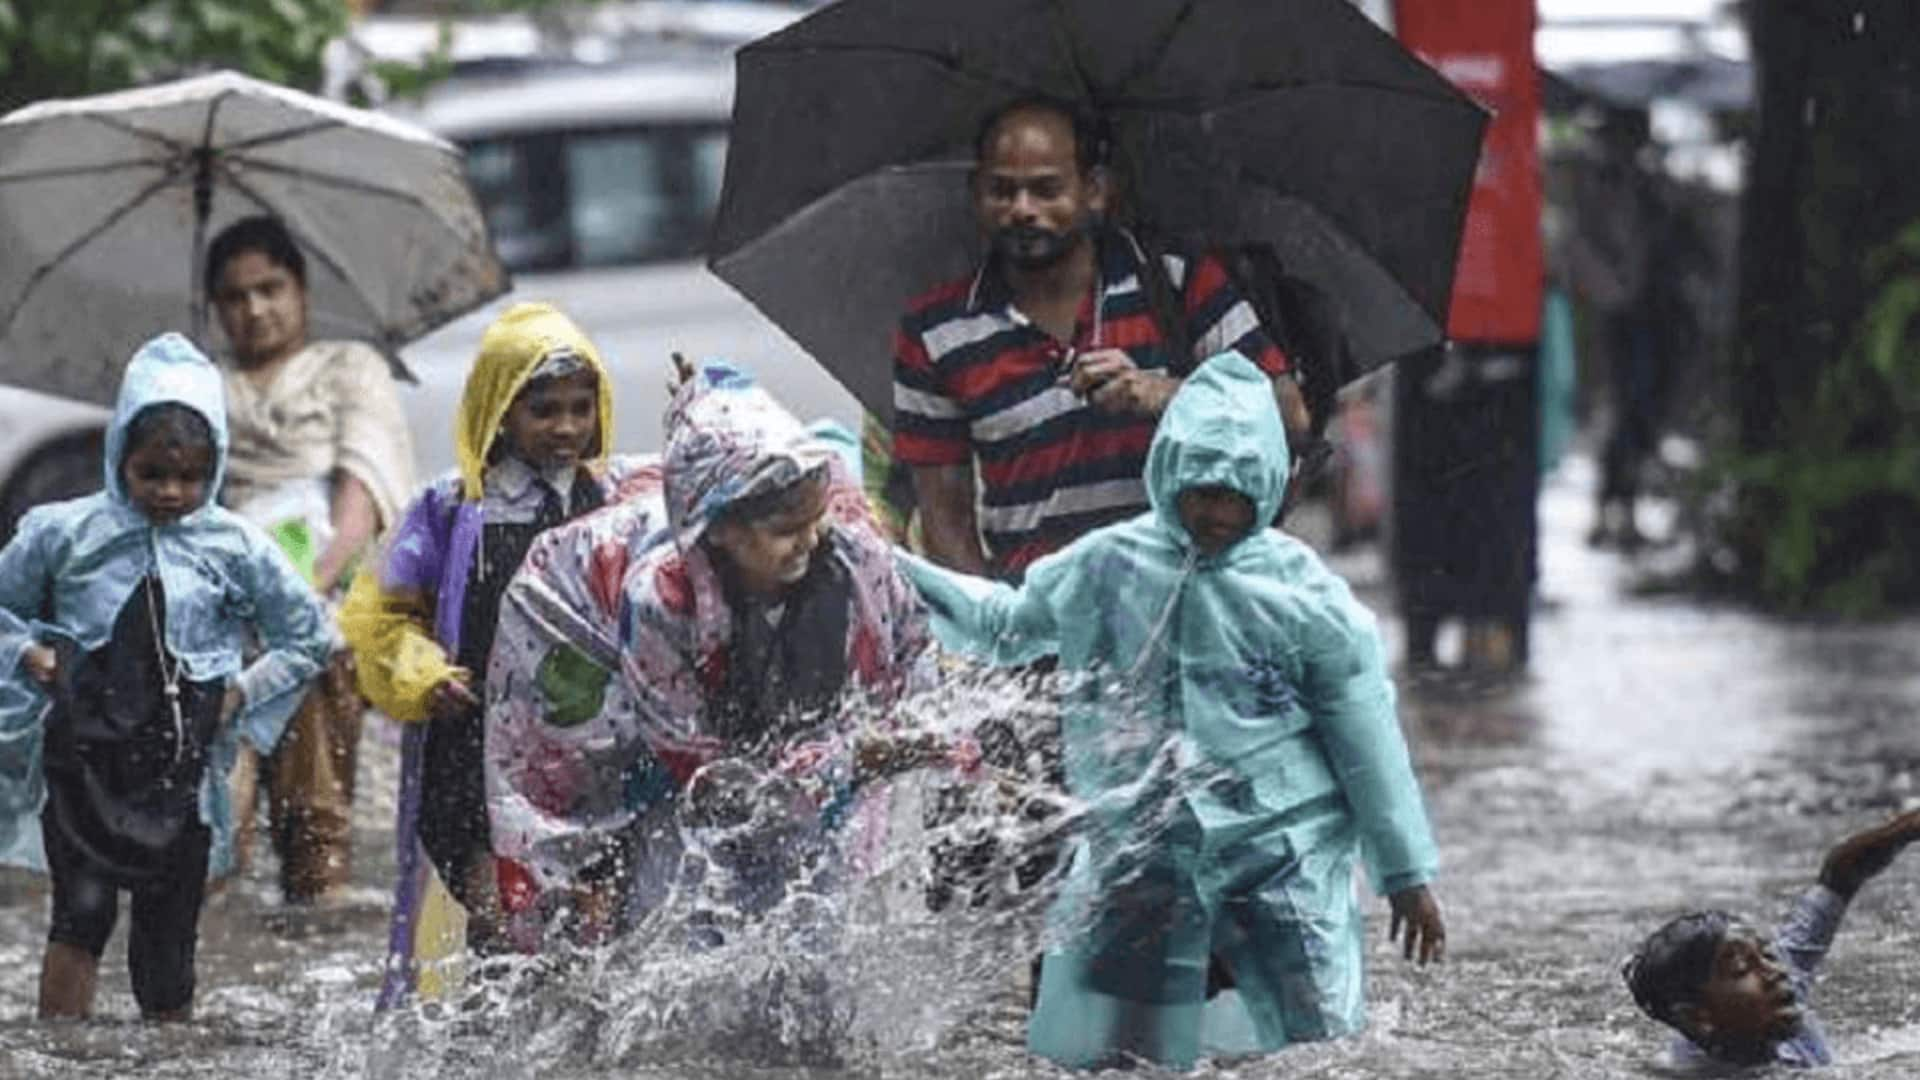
(1485, 47)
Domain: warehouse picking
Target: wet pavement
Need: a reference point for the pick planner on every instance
(1663, 754)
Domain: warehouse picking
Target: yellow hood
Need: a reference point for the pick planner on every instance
(510, 351)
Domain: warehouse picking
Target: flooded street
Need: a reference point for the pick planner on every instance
(1663, 755)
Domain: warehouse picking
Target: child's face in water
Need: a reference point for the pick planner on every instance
(555, 422)
(1215, 517)
(1747, 1004)
(165, 479)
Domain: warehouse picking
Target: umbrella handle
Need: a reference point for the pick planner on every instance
(202, 210)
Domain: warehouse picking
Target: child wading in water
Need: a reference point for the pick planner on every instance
(531, 437)
(1229, 728)
(123, 616)
(1738, 997)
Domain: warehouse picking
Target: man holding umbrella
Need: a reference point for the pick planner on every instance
(1049, 366)
(1044, 373)
(321, 459)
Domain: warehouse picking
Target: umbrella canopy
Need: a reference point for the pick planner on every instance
(1292, 123)
(107, 204)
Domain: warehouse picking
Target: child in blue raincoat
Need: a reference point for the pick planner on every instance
(123, 697)
(1229, 730)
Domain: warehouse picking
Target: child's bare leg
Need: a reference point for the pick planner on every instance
(68, 977)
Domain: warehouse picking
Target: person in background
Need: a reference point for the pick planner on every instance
(123, 616)
(531, 439)
(321, 460)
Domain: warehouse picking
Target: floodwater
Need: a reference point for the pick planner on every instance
(1664, 754)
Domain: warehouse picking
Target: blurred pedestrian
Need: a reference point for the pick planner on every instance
(321, 460)
(1233, 741)
(1465, 480)
(123, 616)
(1630, 255)
(531, 439)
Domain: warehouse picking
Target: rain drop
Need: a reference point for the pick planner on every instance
(1859, 22)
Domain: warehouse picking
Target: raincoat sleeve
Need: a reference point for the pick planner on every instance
(293, 630)
(988, 620)
(26, 568)
(1352, 702)
(387, 618)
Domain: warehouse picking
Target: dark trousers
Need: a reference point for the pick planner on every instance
(164, 927)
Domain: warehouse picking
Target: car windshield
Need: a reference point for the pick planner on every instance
(599, 197)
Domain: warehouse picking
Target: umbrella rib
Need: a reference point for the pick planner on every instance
(83, 240)
(322, 253)
(288, 135)
(138, 132)
(1120, 101)
(1157, 53)
(346, 183)
(81, 170)
(1257, 89)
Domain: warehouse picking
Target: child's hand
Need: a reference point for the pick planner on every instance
(1420, 913)
(231, 703)
(41, 662)
(1860, 857)
(453, 698)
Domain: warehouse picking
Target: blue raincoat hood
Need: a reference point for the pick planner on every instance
(1223, 428)
(168, 370)
(236, 609)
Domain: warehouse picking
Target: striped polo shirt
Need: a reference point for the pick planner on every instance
(974, 377)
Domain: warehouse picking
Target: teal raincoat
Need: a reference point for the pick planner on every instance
(1229, 728)
(72, 565)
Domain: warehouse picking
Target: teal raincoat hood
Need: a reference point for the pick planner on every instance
(1222, 429)
(167, 371)
(71, 567)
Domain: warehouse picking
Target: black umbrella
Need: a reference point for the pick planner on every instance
(1295, 124)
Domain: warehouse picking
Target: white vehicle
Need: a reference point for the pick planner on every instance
(599, 184)
(49, 449)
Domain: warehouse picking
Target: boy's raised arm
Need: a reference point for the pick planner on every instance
(1859, 858)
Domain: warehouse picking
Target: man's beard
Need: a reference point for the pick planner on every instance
(1031, 247)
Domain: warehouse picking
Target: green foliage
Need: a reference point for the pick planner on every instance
(1833, 508)
(66, 48)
